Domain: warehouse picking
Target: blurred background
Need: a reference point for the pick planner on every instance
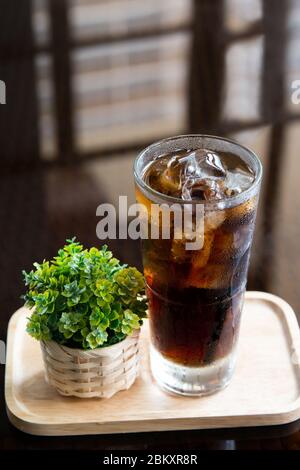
(89, 83)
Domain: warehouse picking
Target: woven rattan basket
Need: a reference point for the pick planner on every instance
(95, 373)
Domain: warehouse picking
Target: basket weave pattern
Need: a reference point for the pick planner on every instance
(94, 373)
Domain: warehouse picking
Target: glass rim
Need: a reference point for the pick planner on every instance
(231, 200)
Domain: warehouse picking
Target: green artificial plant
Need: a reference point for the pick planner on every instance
(84, 298)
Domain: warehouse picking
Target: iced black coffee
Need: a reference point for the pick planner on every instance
(196, 295)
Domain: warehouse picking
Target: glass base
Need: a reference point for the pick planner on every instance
(191, 381)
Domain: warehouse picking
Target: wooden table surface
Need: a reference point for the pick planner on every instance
(43, 203)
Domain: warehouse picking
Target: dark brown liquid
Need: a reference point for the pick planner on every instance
(191, 330)
(196, 297)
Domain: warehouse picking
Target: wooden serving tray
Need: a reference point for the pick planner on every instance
(265, 388)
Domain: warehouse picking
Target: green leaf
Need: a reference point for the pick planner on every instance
(96, 338)
(38, 328)
(95, 317)
(130, 322)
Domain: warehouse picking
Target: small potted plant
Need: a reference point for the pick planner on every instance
(86, 310)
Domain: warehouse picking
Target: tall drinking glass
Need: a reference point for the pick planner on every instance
(196, 296)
